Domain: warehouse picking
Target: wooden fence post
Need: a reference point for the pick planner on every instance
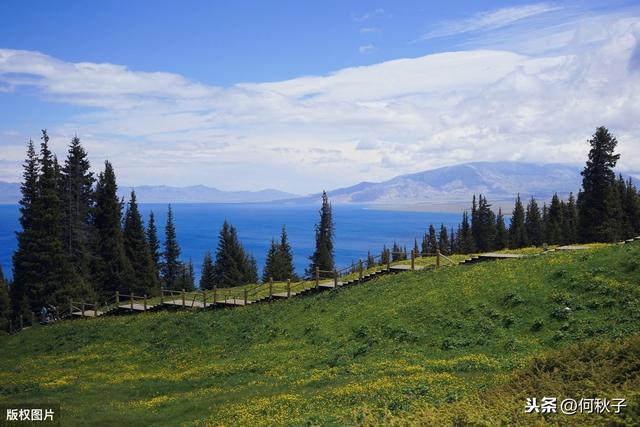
(204, 298)
(82, 308)
(70, 307)
(270, 288)
(144, 303)
(413, 259)
(317, 277)
(245, 296)
(95, 309)
(214, 294)
(131, 300)
(335, 279)
(117, 297)
(184, 303)
(437, 258)
(360, 271)
(388, 262)
(288, 288)
(161, 294)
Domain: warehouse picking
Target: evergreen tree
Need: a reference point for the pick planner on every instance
(416, 249)
(485, 227)
(24, 260)
(154, 244)
(555, 222)
(77, 201)
(533, 223)
(631, 207)
(453, 242)
(570, 229)
(466, 241)
(517, 231)
(233, 266)
(432, 240)
(502, 234)
(598, 206)
(385, 256)
(322, 257)
(171, 265)
(371, 262)
(425, 243)
(443, 240)
(396, 254)
(5, 304)
(111, 267)
(137, 251)
(475, 223)
(270, 265)
(207, 274)
(285, 269)
(187, 277)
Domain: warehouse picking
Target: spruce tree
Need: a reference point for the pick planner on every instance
(432, 240)
(555, 220)
(443, 240)
(631, 206)
(111, 267)
(466, 241)
(570, 229)
(77, 201)
(154, 244)
(270, 268)
(207, 274)
(233, 266)
(250, 269)
(533, 223)
(416, 249)
(5, 304)
(597, 203)
(385, 256)
(171, 265)
(485, 227)
(322, 257)
(371, 262)
(24, 261)
(137, 250)
(502, 234)
(186, 276)
(284, 260)
(517, 231)
(453, 242)
(396, 254)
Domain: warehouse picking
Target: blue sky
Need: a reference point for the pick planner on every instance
(309, 95)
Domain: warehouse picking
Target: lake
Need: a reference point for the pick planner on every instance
(357, 229)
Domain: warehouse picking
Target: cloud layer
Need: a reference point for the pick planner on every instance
(369, 122)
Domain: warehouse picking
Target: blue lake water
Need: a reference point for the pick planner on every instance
(357, 229)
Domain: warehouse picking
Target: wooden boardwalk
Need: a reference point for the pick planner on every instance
(139, 304)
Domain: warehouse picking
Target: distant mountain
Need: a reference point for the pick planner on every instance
(496, 180)
(10, 193)
(200, 194)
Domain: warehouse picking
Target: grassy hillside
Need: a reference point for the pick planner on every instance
(414, 347)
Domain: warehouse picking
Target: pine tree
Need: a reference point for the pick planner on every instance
(207, 274)
(396, 255)
(475, 223)
(285, 269)
(466, 241)
(597, 204)
(186, 276)
(371, 262)
(555, 221)
(533, 223)
(5, 304)
(137, 251)
(517, 231)
(416, 249)
(77, 201)
(233, 266)
(154, 244)
(322, 257)
(485, 228)
(24, 261)
(171, 265)
(570, 229)
(502, 234)
(453, 242)
(270, 269)
(443, 240)
(432, 240)
(111, 267)
(385, 256)
(631, 206)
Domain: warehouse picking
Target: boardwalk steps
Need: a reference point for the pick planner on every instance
(136, 306)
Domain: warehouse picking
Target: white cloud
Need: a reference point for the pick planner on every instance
(366, 49)
(367, 30)
(317, 132)
(489, 20)
(370, 14)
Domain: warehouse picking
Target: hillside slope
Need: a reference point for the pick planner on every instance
(379, 351)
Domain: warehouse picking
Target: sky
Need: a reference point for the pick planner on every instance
(305, 96)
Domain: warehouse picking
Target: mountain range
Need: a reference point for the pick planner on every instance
(452, 184)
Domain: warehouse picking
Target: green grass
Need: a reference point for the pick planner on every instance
(390, 350)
